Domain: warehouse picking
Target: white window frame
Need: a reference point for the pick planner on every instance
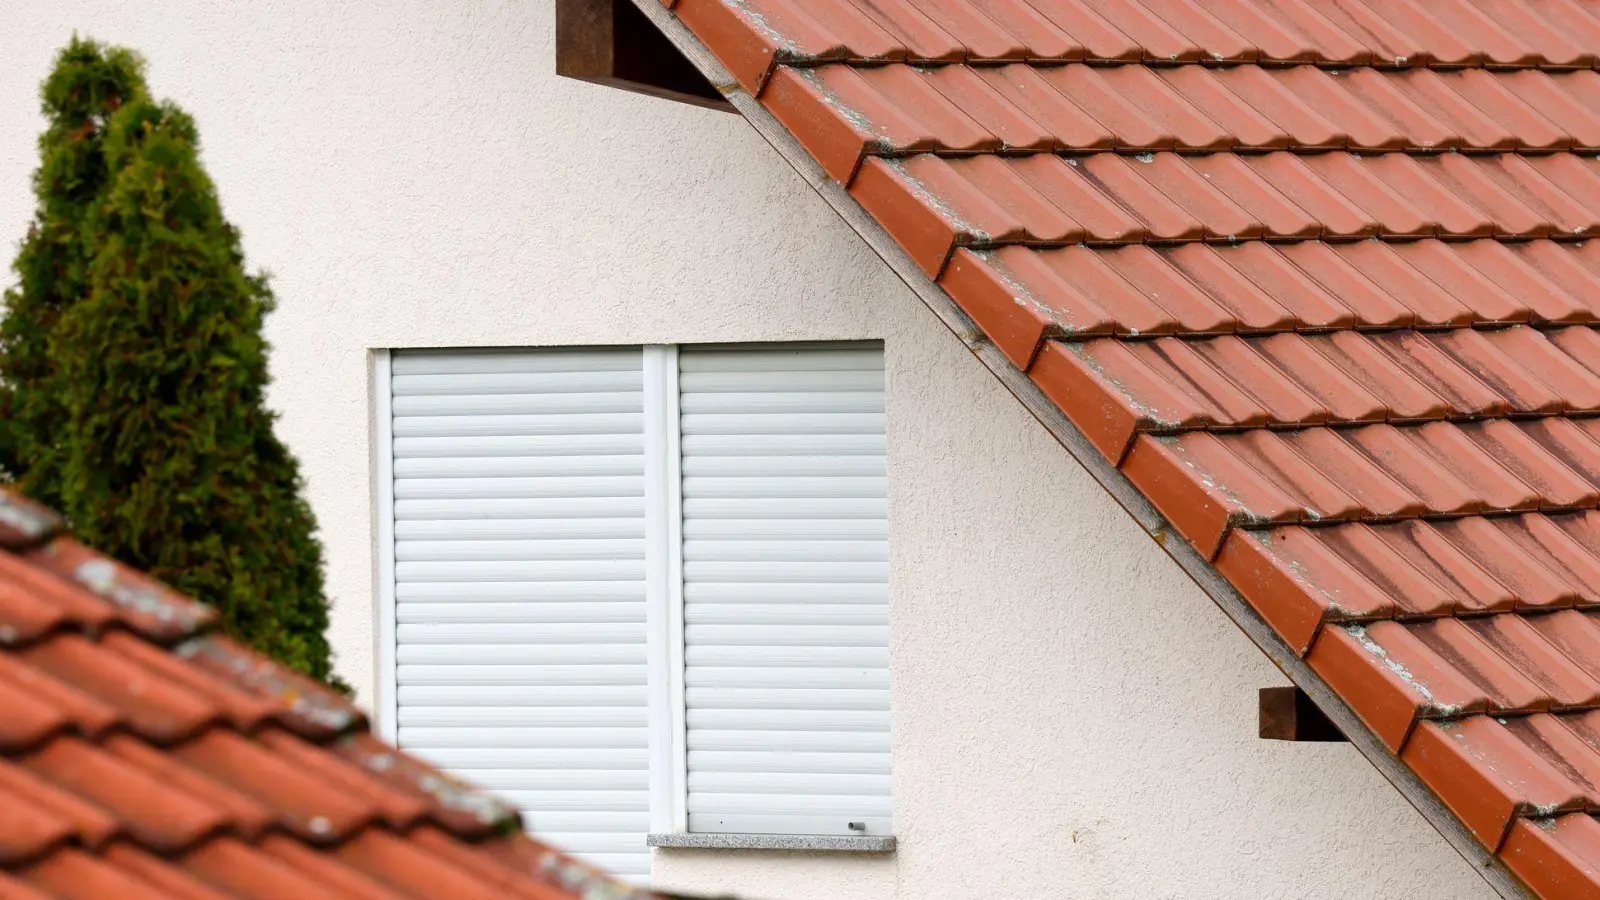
(669, 755)
(386, 705)
(664, 605)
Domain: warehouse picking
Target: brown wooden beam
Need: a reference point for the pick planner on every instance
(1287, 714)
(610, 42)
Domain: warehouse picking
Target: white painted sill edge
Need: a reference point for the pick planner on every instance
(827, 843)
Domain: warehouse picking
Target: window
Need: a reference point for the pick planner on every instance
(642, 589)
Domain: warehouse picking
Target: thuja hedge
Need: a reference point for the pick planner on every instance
(163, 453)
(88, 84)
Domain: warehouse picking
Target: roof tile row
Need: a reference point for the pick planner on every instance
(936, 205)
(1207, 483)
(1022, 296)
(752, 35)
(1022, 108)
(142, 756)
(1361, 435)
(1340, 377)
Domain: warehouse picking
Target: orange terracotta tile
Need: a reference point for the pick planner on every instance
(1297, 585)
(154, 706)
(36, 602)
(71, 707)
(902, 25)
(1191, 128)
(38, 815)
(1540, 662)
(1390, 679)
(413, 869)
(1247, 126)
(74, 875)
(456, 806)
(160, 874)
(1556, 857)
(310, 807)
(1486, 776)
(839, 118)
(989, 287)
(1575, 634)
(326, 870)
(142, 603)
(150, 810)
(243, 871)
(1101, 40)
(243, 815)
(23, 523)
(303, 705)
(1067, 124)
(1109, 390)
(1042, 39)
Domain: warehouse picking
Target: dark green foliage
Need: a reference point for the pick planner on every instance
(88, 84)
(165, 456)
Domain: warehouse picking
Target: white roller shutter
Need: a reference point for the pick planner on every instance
(519, 582)
(785, 571)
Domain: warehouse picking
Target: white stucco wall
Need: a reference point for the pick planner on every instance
(1072, 717)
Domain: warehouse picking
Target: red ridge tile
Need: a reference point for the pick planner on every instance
(1179, 475)
(751, 38)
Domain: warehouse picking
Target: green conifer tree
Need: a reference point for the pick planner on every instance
(88, 84)
(169, 461)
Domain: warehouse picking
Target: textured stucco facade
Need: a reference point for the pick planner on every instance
(1072, 717)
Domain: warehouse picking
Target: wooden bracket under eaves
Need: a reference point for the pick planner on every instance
(610, 42)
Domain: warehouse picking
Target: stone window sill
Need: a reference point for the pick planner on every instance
(827, 843)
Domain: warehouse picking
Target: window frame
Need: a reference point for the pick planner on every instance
(664, 609)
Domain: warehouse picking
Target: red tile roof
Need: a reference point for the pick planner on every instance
(142, 755)
(1313, 276)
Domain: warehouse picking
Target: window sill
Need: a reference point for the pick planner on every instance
(827, 843)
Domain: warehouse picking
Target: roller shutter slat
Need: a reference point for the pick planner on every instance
(785, 589)
(520, 585)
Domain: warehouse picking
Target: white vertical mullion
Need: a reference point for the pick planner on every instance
(664, 590)
(675, 641)
(387, 700)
